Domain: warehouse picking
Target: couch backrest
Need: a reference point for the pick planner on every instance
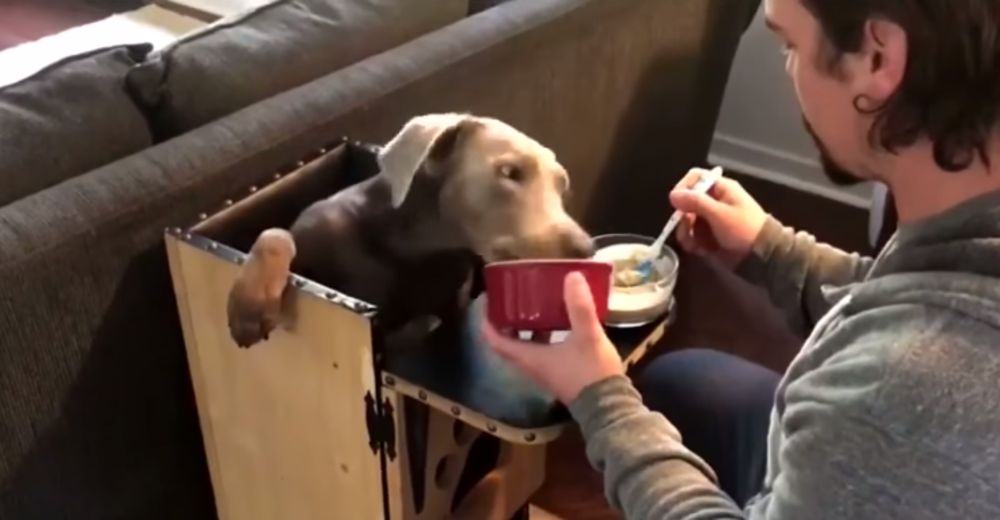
(67, 119)
(89, 110)
(282, 44)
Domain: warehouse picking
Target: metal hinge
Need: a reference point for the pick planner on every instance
(381, 426)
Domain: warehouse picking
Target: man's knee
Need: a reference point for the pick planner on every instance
(706, 380)
(674, 372)
(676, 380)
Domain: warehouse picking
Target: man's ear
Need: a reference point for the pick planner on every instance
(427, 137)
(884, 58)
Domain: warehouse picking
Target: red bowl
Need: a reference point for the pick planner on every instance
(527, 295)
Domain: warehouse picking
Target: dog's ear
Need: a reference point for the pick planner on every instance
(431, 136)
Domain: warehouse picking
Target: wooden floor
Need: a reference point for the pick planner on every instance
(715, 310)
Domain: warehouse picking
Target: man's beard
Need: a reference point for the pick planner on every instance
(833, 171)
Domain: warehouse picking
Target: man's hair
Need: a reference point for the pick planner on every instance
(950, 92)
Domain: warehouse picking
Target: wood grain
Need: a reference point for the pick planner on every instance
(284, 421)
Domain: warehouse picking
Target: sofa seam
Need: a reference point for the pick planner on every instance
(65, 60)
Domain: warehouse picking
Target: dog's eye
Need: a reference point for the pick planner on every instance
(512, 173)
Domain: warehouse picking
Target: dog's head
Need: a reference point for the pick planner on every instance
(504, 191)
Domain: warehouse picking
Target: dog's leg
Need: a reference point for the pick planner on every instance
(413, 333)
(255, 300)
(429, 297)
(465, 292)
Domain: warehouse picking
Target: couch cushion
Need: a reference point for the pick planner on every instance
(283, 44)
(68, 119)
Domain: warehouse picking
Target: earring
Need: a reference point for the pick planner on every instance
(864, 104)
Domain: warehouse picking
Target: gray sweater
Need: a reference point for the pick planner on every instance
(890, 410)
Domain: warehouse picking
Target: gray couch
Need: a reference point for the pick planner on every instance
(100, 153)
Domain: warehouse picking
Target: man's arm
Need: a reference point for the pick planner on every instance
(793, 267)
(837, 462)
(648, 473)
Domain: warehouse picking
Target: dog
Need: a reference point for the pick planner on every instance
(453, 191)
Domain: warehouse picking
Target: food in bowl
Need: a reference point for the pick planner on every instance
(635, 301)
(626, 259)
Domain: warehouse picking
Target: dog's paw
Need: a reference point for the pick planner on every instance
(253, 313)
(251, 320)
(248, 332)
(255, 301)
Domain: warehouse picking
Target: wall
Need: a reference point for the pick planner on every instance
(760, 130)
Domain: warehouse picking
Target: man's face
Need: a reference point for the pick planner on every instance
(836, 173)
(825, 97)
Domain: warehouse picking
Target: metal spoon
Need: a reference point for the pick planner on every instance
(707, 179)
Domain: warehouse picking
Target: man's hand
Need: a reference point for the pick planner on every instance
(722, 224)
(565, 369)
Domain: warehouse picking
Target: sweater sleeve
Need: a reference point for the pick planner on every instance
(793, 267)
(837, 461)
(648, 473)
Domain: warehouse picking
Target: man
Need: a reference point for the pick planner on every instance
(892, 407)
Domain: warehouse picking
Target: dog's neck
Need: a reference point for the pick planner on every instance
(416, 228)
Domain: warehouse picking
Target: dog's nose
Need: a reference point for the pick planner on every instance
(578, 245)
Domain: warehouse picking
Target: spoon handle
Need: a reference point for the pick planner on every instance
(705, 183)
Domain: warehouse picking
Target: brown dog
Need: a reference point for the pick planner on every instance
(453, 190)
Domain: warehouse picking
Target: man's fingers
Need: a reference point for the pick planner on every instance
(530, 358)
(505, 346)
(727, 190)
(724, 190)
(541, 336)
(700, 204)
(684, 233)
(703, 236)
(580, 304)
(690, 179)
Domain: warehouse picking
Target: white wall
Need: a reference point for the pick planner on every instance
(760, 130)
